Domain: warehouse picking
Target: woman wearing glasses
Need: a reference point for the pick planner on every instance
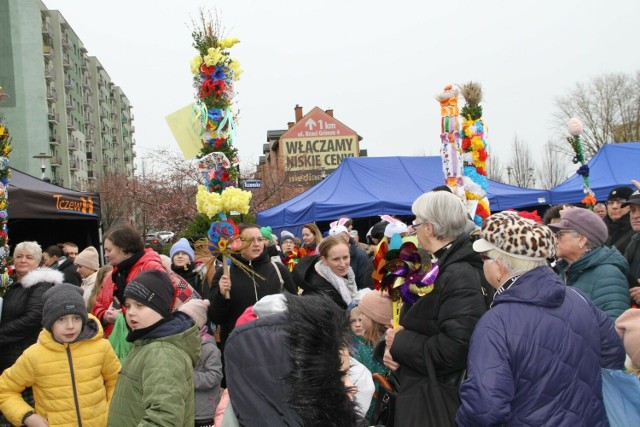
(588, 264)
(436, 329)
(245, 286)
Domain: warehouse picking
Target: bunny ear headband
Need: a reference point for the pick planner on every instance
(391, 220)
(342, 221)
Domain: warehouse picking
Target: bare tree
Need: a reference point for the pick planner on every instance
(609, 107)
(495, 171)
(521, 168)
(553, 170)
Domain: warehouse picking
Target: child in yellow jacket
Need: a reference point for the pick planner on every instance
(72, 369)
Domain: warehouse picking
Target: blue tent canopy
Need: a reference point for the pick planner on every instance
(368, 186)
(612, 166)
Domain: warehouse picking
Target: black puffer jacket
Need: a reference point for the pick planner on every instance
(307, 278)
(620, 232)
(70, 272)
(362, 266)
(22, 313)
(439, 326)
(246, 290)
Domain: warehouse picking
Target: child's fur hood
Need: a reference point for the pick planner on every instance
(42, 275)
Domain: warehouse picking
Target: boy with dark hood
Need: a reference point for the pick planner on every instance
(156, 384)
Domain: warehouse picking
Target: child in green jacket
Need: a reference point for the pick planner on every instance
(156, 382)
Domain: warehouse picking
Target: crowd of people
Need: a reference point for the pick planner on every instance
(522, 317)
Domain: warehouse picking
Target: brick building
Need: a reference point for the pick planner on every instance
(299, 157)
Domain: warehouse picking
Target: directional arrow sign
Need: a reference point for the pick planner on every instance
(310, 124)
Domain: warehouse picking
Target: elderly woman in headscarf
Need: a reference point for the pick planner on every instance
(436, 329)
(536, 356)
(597, 270)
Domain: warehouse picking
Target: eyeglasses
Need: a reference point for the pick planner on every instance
(416, 225)
(252, 239)
(486, 258)
(561, 233)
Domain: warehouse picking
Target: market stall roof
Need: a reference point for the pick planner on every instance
(612, 166)
(32, 198)
(369, 186)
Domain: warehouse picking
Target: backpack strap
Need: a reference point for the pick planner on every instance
(279, 274)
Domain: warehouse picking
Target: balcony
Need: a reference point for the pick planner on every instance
(73, 144)
(46, 28)
(90, 157)
(74, 165)
(87, 104)
(133, 129)
(49, 51)
(70, 103)
(127, 159)
(65, 40)
(68, 83)
(53, 117)
(49, 73)
(89, 138)
(54, 140)
(104, 130)
(103, 114)
(51, 94)
(66, 62)
(70, 125)
(91, 175)
(56, 161)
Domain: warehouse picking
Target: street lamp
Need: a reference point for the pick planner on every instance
(509, 169)
(42, 158)
(532, 177)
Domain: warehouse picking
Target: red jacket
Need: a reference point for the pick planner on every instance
(149, 261)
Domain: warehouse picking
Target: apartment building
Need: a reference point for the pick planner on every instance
(62, 101)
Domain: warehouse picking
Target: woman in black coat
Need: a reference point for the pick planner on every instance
(328, 273)
(244, 286)
(438, 327)
(21, 319)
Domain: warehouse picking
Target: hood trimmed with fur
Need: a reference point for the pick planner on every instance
(40, 275)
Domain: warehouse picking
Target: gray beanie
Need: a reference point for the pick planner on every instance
(286, 235)
(61, 300)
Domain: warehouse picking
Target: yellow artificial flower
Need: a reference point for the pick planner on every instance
(234, 65)
(477, 143)
(235, 199)
(208, 203)
(229, 42)
(213, 57)
(195, 65)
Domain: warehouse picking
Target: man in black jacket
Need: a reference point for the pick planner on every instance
(632, 253)
(617, 219)
(55, 259)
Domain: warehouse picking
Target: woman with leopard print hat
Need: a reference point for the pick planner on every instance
(536, 355)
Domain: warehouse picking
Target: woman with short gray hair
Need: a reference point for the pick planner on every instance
(436, 329)
(21, 319)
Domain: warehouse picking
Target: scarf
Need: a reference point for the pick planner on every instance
(345, 286)
(120, 273)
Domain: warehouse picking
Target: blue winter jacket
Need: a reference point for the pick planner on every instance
(602, 275)
(535, 358)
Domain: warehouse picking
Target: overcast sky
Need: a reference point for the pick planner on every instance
(378, 64)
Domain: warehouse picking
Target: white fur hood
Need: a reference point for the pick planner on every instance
(40, 275)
